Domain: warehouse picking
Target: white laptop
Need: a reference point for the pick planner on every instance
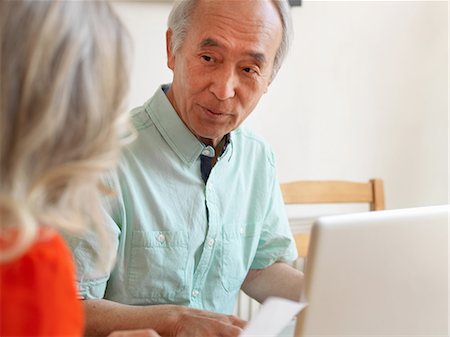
(378, 274)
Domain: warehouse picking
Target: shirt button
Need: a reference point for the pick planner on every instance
(208, 151)
(161, 237)
(210, 242)
(241, 230)
(195, 293)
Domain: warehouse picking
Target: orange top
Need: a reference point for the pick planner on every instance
(37, 292)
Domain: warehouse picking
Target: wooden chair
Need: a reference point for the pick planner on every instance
(331, 192)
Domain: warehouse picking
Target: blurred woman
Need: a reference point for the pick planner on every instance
(63, 79)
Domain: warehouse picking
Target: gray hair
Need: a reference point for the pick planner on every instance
(64, 75)
(179, 21)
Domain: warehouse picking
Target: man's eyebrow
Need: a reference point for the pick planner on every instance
(260, 57)
(210, 42)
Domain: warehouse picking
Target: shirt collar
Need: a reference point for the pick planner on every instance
(172, 128)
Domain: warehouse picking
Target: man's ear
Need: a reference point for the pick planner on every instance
(170, 55)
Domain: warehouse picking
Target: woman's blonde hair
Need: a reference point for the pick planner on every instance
(63, 78)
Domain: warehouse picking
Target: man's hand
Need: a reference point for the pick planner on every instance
(194, 322)
(135, 333)
(103, 317)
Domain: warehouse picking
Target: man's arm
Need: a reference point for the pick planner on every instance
(279, 280)
(104, 317)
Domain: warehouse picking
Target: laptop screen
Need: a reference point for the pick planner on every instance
(378, 273)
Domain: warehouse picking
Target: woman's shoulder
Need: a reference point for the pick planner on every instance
(47, 251)
(38, 290)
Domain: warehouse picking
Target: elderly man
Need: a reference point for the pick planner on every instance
(198, 213)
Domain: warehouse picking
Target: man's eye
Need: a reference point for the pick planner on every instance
(249, 70)
(207, 58)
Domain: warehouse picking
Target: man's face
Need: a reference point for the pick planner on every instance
(224, 65)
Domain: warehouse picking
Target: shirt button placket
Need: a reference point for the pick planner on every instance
(205, 261)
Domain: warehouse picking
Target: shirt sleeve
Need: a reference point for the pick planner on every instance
(276, 243)
(95, 251)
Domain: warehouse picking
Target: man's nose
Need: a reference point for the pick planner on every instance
(224, 84)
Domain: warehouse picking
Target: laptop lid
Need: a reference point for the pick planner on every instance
(378, 274)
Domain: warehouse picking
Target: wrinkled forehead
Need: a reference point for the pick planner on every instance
(256, 23)
(251, 12)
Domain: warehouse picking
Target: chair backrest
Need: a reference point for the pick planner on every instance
(331, 192)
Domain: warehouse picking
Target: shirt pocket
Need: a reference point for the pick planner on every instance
(239, 248)
(157, 266)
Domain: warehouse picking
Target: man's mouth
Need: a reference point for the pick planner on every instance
(215, 112)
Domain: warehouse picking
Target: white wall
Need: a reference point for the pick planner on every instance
(363, 93)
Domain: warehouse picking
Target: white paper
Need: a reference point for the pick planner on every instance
(272, 317)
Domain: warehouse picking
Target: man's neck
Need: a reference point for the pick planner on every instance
(217, 143)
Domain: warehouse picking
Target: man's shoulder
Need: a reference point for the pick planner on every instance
(140, 117)
(145, 128)
(250, 141)
(249, 137)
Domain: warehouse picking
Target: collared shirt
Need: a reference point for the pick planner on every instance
(180, 240)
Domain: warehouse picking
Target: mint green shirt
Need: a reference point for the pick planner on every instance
(179, 240)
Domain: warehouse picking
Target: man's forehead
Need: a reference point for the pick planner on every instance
(245, 10)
